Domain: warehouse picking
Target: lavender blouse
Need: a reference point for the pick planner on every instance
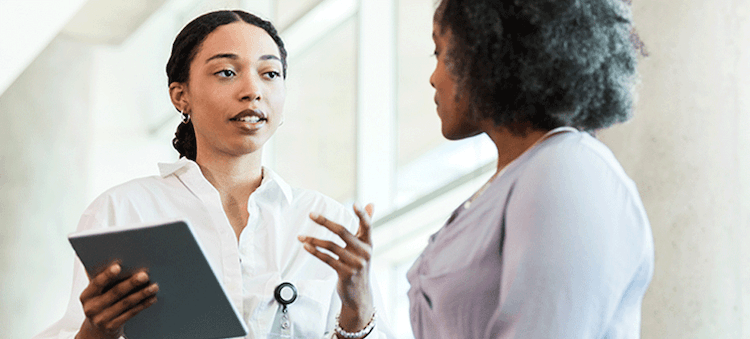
(558, 246)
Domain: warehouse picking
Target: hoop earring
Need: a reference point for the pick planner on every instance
(185, 117)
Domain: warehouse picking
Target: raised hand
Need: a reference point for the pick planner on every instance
(352, 266)
(107, 309)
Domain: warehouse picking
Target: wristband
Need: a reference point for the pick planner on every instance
(359, 334)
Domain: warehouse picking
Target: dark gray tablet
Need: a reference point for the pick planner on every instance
(191, 302)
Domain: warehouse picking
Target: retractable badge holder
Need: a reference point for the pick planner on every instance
(285, 294)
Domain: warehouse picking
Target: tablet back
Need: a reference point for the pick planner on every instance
(191, 302)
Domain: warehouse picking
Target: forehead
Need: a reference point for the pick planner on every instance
(239, 38)
(440, 34)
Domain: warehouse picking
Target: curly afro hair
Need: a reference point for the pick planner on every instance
(543, 63)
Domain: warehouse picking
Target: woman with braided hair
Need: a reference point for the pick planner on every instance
(557, 244)
(226, 78)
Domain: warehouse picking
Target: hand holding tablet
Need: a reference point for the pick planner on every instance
(164, 257)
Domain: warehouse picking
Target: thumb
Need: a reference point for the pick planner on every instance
(370, 209)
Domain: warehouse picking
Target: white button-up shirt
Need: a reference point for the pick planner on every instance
(267, 254)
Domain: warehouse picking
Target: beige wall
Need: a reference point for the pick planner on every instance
(687, 149)
(44, 117)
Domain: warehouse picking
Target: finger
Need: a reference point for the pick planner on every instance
(370, 209)
(337, 229)
(135, 299)
(130, 313)
(103, 306)
(346, 257)
(127, 287)
(105, 318)
(101, 281)
(335, 264)
(363, 232)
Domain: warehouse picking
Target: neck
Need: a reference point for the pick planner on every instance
(232, 175)
(510, 146)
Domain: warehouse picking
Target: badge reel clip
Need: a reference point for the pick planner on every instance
(285, 294)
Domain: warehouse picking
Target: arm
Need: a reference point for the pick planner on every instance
(572, 246)
(382, 328)
(353, 268)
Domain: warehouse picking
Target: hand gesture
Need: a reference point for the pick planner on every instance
(352, 266)
(107, 309)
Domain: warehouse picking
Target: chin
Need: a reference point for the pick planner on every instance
(245, 148)
(458, 134)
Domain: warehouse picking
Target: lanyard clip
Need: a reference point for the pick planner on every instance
(285, 294)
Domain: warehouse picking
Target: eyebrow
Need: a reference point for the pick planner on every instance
(235, 57)
(269, 57)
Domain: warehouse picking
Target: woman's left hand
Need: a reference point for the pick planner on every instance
(352, 266)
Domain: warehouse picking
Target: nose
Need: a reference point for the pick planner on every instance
(432, 78)
(251, 88)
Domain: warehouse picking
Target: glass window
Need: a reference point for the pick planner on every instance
(418, 124)
(426, 160)
(287, 11)
(315, 148)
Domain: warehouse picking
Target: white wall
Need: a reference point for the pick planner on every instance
(687, 149)
(44, 140)
(20, 49)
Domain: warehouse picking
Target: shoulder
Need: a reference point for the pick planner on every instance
(133, 189)
(572, 192)
(302, 200)
(104, 210)
(311, 200)
(575, 162)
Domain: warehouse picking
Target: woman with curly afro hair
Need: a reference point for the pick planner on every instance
(557, 244)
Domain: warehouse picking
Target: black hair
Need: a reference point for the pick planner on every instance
(186, 46)
(542, 63)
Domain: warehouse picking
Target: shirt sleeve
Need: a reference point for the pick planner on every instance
(573, 240)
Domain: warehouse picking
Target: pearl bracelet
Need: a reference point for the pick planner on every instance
(360, 334)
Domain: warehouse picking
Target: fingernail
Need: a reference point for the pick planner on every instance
(114, 268)
(153, 288)
(141, 277)
(314, 215)
(301, 238)
(309, 247)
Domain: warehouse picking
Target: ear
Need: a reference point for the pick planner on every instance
(179, 96)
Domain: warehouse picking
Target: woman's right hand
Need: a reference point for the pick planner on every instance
(107, 310)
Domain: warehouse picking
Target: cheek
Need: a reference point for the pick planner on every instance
(277, 99)
(205, 96)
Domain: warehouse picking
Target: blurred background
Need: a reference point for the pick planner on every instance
(84, 106)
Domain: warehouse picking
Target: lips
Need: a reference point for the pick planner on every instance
(252, 116)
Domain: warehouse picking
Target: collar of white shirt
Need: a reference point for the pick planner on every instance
(271, 180)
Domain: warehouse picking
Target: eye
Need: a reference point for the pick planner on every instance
(272, 74)
(226, 73)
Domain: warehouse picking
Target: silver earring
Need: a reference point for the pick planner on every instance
(185, 117)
